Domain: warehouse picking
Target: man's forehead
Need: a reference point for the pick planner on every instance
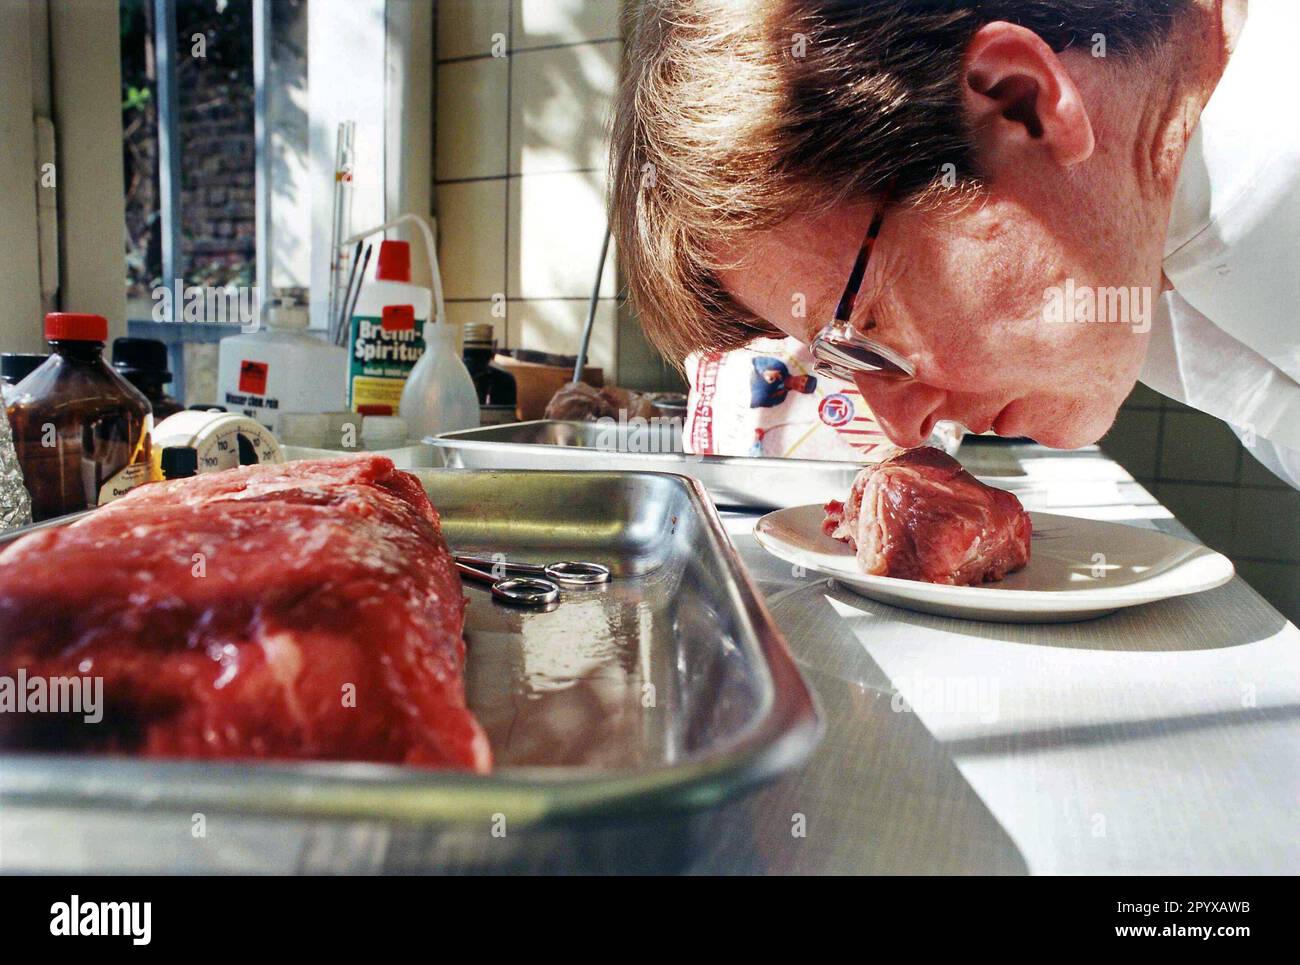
(801, 263)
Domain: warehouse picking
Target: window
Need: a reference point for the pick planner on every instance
(189, 159)
(227, 147)
(215, 150)
(202, 201)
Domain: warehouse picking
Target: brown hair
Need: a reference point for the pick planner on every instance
(732, 115)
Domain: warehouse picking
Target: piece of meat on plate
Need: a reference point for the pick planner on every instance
(308, 610)
(918, 515)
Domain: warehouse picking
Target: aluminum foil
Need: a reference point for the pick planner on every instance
(15, 503)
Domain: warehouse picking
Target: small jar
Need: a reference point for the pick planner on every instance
(307, 430)
(383, 432)
(344, 430)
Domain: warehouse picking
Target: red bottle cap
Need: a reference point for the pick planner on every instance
(394, 261)
(75, 327)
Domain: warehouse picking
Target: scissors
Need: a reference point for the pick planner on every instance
(540, 586)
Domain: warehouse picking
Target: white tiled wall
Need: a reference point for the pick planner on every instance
(544, 23)
(559, 106)
(557, 223)
(466, 28)
(472, 124)
(472, 238)
(553, 321)
(1193, 463)
(523, 93)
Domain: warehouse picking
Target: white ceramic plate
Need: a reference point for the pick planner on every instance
(1078, 568)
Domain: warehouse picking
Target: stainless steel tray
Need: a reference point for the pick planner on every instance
(753, 482)
(731, 480)
(669, 688)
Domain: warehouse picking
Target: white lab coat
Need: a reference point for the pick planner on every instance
(1226, 340)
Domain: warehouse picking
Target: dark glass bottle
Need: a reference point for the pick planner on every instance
(181, 462)
(497, 394)
(14, 367)
(81, 430)
(143, 363)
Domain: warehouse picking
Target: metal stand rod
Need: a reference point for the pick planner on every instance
(169, 144)
(262, 155)
(581, 363)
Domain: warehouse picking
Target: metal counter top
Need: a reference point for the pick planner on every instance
(1163, 738)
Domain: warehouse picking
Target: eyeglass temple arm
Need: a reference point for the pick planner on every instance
(845, 308)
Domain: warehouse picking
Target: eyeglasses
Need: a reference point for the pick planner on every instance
(839, 350)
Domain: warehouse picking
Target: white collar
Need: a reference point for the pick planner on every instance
(1234, 230)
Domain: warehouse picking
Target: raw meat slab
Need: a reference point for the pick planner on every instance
(308, 610)
(918, 515)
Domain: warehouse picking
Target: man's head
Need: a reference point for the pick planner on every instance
(1029, 159)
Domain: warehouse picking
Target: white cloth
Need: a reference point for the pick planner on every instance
(1227, 339)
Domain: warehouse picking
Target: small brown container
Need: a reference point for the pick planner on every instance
(82, 432)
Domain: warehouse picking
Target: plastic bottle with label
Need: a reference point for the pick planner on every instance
(280, 368)
(386, 331)
(82, 432)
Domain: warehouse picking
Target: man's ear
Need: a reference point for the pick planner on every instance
(1019, 98)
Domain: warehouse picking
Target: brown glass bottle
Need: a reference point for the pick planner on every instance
(495, 386)
(143, 363)
(81, 430)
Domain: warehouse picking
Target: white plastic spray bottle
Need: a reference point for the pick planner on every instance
(439, 395)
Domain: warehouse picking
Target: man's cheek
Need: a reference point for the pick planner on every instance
(994, 362)
(962, 372)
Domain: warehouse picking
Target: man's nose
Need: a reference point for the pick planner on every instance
(907, 411)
